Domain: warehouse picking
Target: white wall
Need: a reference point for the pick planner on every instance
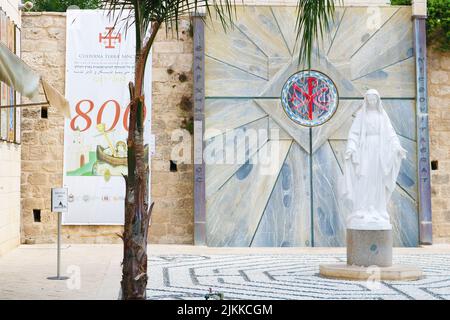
(10, 170)
(11, 7)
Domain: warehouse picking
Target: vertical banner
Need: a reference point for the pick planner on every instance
(11, 39)
(7, 94)
(17, 94)
(4, 91)
(100, 56)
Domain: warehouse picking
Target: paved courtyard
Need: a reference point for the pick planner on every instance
(287, 277)
(187, 272)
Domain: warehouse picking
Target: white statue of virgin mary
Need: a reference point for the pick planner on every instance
(372, 162)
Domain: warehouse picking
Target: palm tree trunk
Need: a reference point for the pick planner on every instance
(137, 209)
(137, 212)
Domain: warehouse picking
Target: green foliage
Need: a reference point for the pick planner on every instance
(401, 2)
(313, 18)
(61, 5)
(438, 24)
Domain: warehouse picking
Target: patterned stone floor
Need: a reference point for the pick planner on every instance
(267, 276)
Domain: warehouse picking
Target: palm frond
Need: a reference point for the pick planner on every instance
(169, 12)
(313, 19)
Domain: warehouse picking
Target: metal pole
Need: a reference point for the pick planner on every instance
(58, 253)
(59, 247)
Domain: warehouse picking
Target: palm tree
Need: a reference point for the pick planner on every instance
(149, 16)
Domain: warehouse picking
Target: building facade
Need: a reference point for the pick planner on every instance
(10, 149)
(43, 47)
(172, 184)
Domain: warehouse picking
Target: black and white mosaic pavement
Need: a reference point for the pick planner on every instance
(265, 276)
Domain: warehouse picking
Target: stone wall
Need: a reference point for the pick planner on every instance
(439, 121)
(172, 191)
(43, 47)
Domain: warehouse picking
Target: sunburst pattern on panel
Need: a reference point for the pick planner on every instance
(246, 67)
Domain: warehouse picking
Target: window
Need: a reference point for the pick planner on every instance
(9, 117)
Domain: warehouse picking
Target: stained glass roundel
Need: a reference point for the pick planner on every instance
(309, 98)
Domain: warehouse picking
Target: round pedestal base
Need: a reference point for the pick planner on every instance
(349, 272)
(369, 247)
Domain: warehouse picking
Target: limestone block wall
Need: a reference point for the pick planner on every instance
(172, 191)
(43, 47)
(439, 120)
(10, 171)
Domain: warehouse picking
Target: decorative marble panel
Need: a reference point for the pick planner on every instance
(222, 115)
(274, 109)
(234, 149)
(356, 27)
(234, 211)
(286, 221)
(246, 68)
(404, 219)
(391, 44)
(235, 48)
(329, 213)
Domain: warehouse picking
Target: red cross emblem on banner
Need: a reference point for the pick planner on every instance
(309, 98)
(109, 39)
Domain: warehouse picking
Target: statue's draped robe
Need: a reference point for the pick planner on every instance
(372, 163)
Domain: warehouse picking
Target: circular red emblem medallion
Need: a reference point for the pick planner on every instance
(309, 98)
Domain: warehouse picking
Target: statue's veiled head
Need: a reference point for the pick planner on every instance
(372, 100)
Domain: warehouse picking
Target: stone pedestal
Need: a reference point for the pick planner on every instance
(392, 273)
(369, 256)
(369, 247)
